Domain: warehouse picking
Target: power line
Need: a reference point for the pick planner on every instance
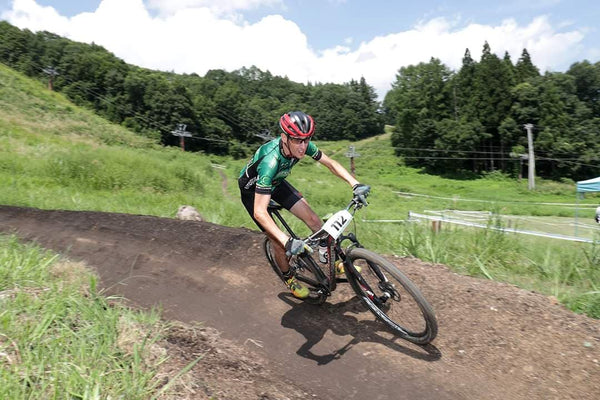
(434, 150)
(471, 158)
(254, 130)
(150, 122)
(103, 98)
(250, 127)
(565, 160)
(449, 150)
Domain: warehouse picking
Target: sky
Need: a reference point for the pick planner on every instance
(319, 41)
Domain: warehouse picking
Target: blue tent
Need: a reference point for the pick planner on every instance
(591, 185)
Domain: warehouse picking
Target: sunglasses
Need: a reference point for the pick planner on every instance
(298, 140)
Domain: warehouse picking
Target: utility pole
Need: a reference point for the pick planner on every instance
(52, 73)
(182, 133)
(351, 153)
(531, 174)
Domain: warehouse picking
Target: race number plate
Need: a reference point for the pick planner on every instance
(336, 225)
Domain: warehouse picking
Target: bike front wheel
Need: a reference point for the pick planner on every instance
(391, 296)
(305, 270)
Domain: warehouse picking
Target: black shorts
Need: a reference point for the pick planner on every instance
(284, 194)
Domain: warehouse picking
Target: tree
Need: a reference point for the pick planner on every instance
(491, 94)
(455, 143)
(587, 83)
(14, 44)
(525, 107)
(463, 85)
(367, 109)
(511, 70)
(525, 69)
(331, 113)
(422, 98)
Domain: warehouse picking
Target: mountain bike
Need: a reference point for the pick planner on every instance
(387, 292)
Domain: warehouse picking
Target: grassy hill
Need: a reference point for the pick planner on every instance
(54, 155)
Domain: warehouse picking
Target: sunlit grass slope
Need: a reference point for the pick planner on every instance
(56, 155)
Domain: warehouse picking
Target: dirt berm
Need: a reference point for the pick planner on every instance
(495, 341)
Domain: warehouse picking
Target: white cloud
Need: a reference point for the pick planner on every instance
(217, 6)
(28, 14)
(192, 36)
(379, 59)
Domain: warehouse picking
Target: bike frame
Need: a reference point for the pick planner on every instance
(332, 230)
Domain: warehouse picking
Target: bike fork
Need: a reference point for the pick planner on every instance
(383, 285)
(378, 300)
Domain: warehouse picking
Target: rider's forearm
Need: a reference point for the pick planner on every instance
(342, 172)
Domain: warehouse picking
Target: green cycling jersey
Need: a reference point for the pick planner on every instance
(269, 167)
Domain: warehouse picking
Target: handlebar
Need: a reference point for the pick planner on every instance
(356, 204)
(352, 207)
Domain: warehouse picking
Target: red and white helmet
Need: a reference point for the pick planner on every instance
(297, 124)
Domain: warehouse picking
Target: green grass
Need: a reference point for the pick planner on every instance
(60, 338)
(67, 158)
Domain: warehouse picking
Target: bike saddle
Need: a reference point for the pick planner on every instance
(273, 205)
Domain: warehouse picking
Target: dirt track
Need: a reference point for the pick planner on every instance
(495, 341)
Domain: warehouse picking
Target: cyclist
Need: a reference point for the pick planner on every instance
(264, 176)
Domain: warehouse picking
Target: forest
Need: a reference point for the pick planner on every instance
(473, 120)
(464, 123)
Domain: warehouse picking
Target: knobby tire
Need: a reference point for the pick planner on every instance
(408, 314)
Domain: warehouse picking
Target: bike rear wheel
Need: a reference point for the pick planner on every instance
(306, 271)
(391, 296)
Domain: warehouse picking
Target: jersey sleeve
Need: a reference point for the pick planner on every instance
(313, 151)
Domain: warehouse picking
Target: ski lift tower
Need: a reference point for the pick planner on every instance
(51, 72)
(182, 133)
